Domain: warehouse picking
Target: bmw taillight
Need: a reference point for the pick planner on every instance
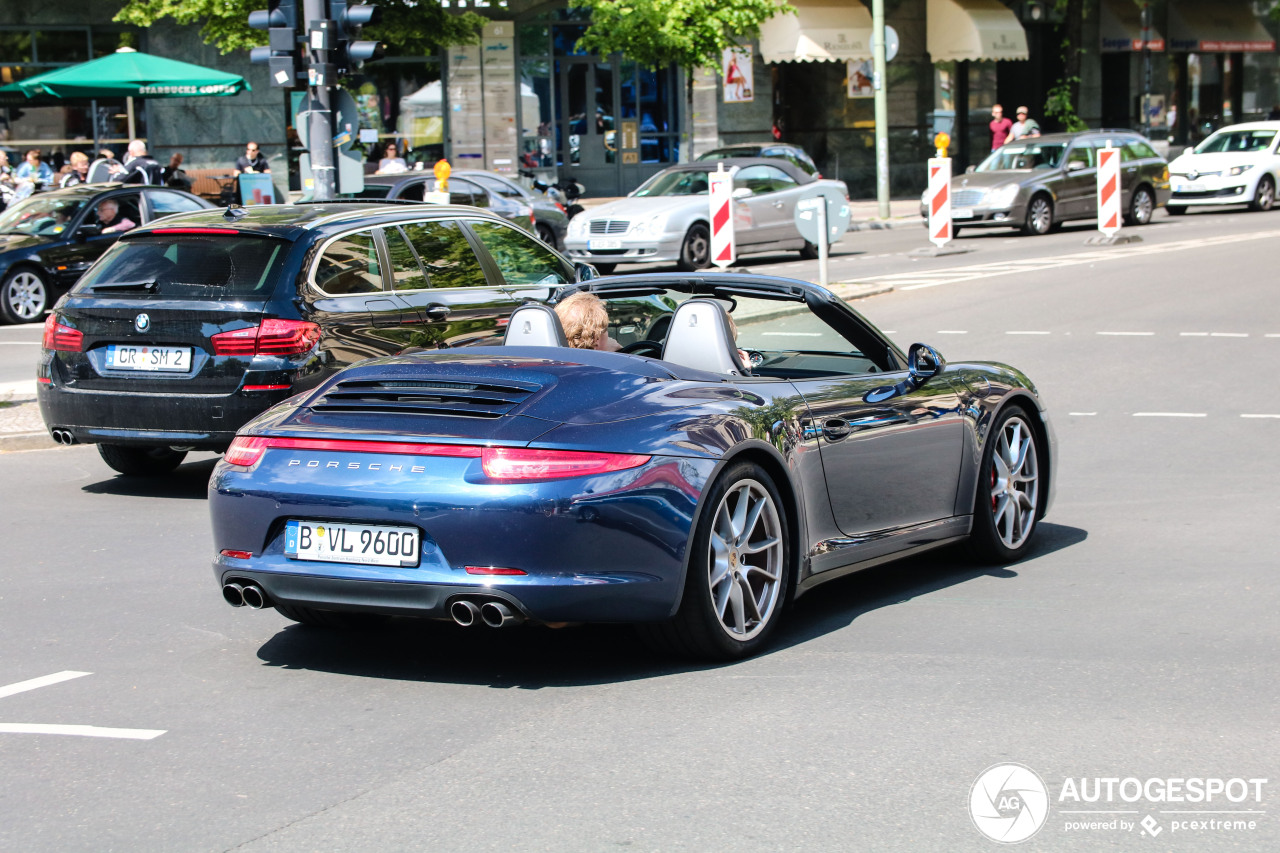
(273, 337)
(521, 463)
(61, 337)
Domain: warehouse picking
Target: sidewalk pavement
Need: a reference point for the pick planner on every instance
(22, 428)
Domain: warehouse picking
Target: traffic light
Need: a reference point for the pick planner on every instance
(350, 17)
(281, 53)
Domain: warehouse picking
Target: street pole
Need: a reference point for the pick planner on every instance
(882, 107)
(318, 83)
(1146, 70)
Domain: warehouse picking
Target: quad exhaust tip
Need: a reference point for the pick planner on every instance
(63, 436)
(244, 594)
(464, 612)
(495, 614)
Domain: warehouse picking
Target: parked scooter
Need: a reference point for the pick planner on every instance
(565, 192)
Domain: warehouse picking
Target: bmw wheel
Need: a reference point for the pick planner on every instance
(695, 252)
(1039, 218)
(1141, 206)
(24, 296)
(738, 574)
(1265, 196)
(141, 461)
(1009, 490)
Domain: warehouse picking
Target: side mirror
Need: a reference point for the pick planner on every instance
(969, 169)
(1075, 166)
(88, 231)
(923, 363)
(742, 192)
(584, 272)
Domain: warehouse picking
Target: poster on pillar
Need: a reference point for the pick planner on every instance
(737, 72)
(501, 141)
(466, 106)
(860, 79)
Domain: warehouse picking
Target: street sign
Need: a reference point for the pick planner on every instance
(722, 243)
(938, 199)
(1109, 190)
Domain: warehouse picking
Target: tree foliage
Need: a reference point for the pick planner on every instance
(408, 28)
(690, 33)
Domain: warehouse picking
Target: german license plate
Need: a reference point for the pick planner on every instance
(365, 544)
(1188, 187)
(595, 243)
(962, 213)
(137, 357)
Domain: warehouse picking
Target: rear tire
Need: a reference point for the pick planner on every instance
(1141, 207)
(695, 252)
(24, 296)
(547, 235)
(739, 572)
(1265, 196)
(141, 461)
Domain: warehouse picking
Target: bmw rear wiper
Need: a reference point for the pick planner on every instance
(149, 285)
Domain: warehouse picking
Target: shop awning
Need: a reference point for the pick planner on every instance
(974, 29)
(820, 31)
(1120, 22)
(1217, 26)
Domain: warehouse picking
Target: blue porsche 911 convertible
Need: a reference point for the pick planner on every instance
(752, 438)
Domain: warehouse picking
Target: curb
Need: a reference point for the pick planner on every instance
(27, 441)
(884, 224)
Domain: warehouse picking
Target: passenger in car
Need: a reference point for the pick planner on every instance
(110, 219)
(586, 323)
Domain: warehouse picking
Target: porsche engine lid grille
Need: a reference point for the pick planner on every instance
(461, 398)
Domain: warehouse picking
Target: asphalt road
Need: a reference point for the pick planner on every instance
(1138, 641)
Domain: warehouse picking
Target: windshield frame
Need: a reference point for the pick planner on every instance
(670, 178)
(1019, 148)
(1227, 132)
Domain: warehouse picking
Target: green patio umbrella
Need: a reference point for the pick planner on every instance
(130, 74)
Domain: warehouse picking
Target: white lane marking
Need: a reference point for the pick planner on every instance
(1271, 336)
(42, 681)
(51, 729)
(1193, 334)
(951, 332)
(1128, 334)
(1027, 333)
(915, 281)
(1260, 416)
(1170, 415)
(81, 731)
(1228, 334)
(19, 343)
(1082, 414)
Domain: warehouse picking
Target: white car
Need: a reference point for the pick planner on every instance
(1236, 165)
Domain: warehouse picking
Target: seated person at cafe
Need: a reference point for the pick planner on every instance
(111, 220)
(586, 323)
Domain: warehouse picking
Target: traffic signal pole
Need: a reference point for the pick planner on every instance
(320, 32)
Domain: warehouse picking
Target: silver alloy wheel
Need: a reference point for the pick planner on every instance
(1015, 483)
(1266, 195)
(696, 253)
(1143, 206)
(25, 295)
(1040, 215)
(745, 565)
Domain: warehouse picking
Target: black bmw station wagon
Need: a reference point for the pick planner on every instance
(185, 330)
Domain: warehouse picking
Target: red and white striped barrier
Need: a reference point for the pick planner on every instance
(939, 201)
(1109, 190)
(723, 248)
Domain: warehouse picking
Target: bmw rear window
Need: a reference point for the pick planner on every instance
(188, 265)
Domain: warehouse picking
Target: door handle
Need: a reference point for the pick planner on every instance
(437, 312)
(779, 204)
(835, 428)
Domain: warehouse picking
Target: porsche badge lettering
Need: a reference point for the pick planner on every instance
(356, 466)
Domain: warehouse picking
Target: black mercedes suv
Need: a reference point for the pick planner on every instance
(186, 329)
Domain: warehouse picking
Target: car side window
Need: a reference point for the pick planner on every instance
(164, 203)
(1081, 153)
(413, 192)
(1136, 149)
(446, 255)
(762, 179)
(350, 265)
(464, 192)
(127, 211)
(406, 274)
(522, 258)
(501, 188)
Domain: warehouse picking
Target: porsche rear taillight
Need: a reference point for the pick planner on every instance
(272, 337)
(245, 451)
(523, 464)
(60, 337)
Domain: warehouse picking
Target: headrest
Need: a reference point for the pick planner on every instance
(700, 337)
(534, 325)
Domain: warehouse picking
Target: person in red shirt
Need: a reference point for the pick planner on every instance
(1000, 127)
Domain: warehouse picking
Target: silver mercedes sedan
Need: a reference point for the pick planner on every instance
(667, 219)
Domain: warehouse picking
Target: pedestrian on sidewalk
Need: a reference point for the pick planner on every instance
(139, 167)
(252, 161)
(1000, 127)
(1024, 126)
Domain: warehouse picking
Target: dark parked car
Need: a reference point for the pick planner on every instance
(1037, 183)
(184, 331)
(691, 491)
(793, 154)
(49, 239)
(413, 186)
(551, 220)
